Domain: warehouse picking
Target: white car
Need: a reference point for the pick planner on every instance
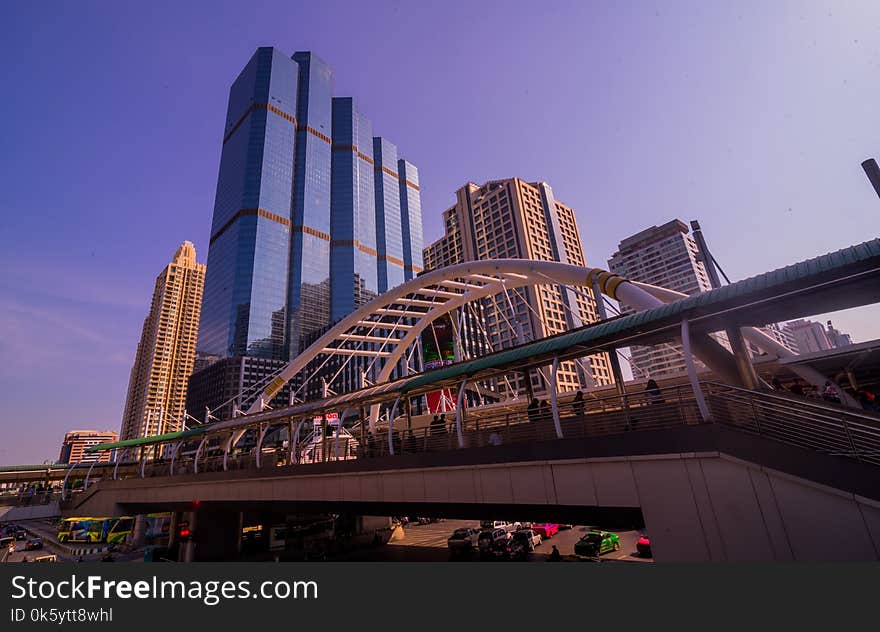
(510, 527)
(535, 539)
(528, 538)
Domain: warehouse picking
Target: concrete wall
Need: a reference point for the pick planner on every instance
(703, 506)
(30, 512)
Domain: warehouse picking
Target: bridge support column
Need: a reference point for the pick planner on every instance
(743, 361)
(139, 530)
(219, 540)
(188, 548)
(692, 370)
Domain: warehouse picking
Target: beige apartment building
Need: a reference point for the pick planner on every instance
(166, 351)
(76, 442)
(514, 219)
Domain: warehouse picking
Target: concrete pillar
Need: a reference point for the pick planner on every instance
(743, 360)
(188, 548)
(218, 540)
(139, 530)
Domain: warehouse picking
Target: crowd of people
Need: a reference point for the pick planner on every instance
(831, 391)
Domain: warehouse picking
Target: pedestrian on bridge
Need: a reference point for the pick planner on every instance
(533, 410)
(577, 405)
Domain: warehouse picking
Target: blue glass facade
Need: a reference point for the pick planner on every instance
(308, 300)
(353, 266)
(389, 236)
(308, 220)
(410, 218)
(244, 304)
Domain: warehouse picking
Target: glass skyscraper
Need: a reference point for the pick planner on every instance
(245, 298)
(294, 243)
(353, 262)
(389, 234)
(308, 295)
(410, 218)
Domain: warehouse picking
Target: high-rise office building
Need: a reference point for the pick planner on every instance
(666, 256)
(810, 336)
(166, 351)
(222, 387)
(354, 267)
(389, 231)
(780, 334)
(73, 448)
(294, 244)
(520, 220)
(836, 337)
(410, 218)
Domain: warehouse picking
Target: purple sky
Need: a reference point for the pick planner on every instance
(752, 117)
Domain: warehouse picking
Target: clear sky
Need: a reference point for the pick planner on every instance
(752, 117)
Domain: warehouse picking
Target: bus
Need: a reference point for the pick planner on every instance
(113, 530)
(85, 529)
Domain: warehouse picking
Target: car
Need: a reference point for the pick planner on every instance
(595, 543)
(46, 558)
(545, 529)
(528, 537)
(463, 540)
(487, 525)
(565, 526)
(33, 544)
(510, 548)
(643, 546)
(489, 540)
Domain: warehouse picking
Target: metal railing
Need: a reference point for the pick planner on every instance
(590, 417)
(799, 421)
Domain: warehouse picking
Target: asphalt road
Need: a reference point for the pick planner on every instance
(427, 543)
(45, 528)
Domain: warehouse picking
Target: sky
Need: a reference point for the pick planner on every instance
(752, 117)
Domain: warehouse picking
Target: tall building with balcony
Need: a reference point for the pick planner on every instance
(167, 349)
(294, 243)
(667, 256)
(76, 442)
(516, 219)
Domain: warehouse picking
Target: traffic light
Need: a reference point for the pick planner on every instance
(183, 531)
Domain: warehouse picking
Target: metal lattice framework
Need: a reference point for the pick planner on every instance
(388, 327)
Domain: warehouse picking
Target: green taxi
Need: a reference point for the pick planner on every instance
(596, 543)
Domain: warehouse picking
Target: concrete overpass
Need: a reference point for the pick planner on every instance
(703, 492)
(714, 471)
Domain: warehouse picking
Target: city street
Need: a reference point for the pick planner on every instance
(427, 543)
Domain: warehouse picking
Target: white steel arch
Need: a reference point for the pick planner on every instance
(395, 319)
(390, 324)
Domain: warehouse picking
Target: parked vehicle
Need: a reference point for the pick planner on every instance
(499, 524)
(33, 544)
(643, 546)
(488, 541)
(546, 529)
(529, 538)
(46, 558)
(463, 541)
(596, 543)
(510, 548)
